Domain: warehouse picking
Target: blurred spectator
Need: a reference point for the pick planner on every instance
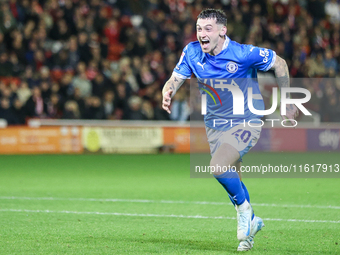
(135, 105)
(73, 54)
(329, 62)
(91, 70)
(35, 104)
(317, 67)
(106, 68)
(189, 35)
(71, 110)
(44, 73)
(2, 42)
(54, 107)
(238, 28)
(147, 110)
(61, 60)
(8, 23)
(8, 93)
(111, 31)
(17, 67)
(77, 97)
(121, 100)
(45, 90)
(6, 67)
(170, 45)
(145, 77)
(180, 109)
(23, 92)
(6, 111)
(337, 55)
(141, 46)
(99, 84)
(332, 9)
(19, 112)
(81, 82)
(100, 20)
(94, 109)
(30, 77)
(83, 48)
(65, 86)
(316, 97)
(109, 104)
(329, 105)
(317, 9)
(159, 113)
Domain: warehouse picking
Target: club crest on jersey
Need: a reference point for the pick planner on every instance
(232, 67)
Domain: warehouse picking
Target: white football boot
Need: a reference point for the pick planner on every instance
(244, 215)
(256, 225)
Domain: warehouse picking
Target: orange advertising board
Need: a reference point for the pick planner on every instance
(72, 139)
(198, 140)
(178, 138)
(26, 140)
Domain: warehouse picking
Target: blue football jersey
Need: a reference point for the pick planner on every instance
(234, 67)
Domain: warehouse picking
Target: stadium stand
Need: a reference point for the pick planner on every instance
(95, 59)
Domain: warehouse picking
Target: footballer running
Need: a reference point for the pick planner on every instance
(215, 56)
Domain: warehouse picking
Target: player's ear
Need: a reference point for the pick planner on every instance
(223, 31)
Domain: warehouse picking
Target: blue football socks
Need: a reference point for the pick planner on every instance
(235, 188)
(245, 191)
(232, 184)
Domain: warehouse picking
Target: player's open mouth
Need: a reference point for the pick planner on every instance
(205, 43)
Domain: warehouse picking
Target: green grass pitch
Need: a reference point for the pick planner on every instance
(145, 204)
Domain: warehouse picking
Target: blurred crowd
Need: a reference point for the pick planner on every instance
(109, 59)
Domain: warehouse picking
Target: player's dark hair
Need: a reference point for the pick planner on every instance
(218, 14)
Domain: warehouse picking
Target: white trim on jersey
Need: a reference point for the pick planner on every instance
(257, 96)
(271, 63)
(178, 75)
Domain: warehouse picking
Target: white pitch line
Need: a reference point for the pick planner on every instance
(163, 215)
(166, 202)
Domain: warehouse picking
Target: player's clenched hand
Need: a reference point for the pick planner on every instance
(291, 112)
(167, 101)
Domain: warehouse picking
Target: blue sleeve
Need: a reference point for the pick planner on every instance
(182, 68)
(260, 58)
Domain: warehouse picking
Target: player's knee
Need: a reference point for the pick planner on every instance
(225, 171)
(214, 167)
(218, 168)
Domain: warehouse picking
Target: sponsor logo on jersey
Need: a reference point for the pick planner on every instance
(264, 53)
(201, 65)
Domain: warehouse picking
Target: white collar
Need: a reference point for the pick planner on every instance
(226, 42)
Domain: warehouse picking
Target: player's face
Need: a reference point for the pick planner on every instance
(209, 34)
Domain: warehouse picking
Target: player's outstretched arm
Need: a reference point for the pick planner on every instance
(282, 77)
(169, 90)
